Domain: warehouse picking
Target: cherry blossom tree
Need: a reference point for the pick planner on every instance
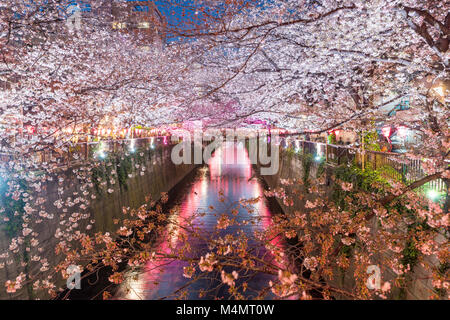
(307, 65)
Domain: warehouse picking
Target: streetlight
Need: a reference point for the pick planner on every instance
(433, 195)
(132, 147)
(152, 143)
(101, 151)
(102, 155)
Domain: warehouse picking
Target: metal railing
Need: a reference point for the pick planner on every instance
(86, 151)
(393, 165)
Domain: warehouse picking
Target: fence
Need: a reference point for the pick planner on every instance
(85, 151)
(395, 166)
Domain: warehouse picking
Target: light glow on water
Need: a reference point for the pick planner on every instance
(228, 171)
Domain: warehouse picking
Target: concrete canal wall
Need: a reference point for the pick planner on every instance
(160, 175)
(292, 167)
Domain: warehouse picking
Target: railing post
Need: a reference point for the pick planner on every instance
(363, 154)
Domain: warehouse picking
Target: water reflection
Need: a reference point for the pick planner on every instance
(228, 171)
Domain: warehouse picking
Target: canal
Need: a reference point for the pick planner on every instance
(227, 178)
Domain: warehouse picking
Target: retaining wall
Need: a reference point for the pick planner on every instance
(160, 175)
(291, 167)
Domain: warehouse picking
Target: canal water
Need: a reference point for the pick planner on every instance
(228, 175)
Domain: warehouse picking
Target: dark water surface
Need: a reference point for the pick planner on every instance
(228, 171)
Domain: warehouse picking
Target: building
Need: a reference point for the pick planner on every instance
(141, 18)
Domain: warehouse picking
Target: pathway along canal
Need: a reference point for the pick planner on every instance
(229, 171)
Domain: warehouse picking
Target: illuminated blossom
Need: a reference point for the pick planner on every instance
(311, 263)
(207, 263)
(228, 278)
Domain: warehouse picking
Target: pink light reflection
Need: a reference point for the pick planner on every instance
(229, 171)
